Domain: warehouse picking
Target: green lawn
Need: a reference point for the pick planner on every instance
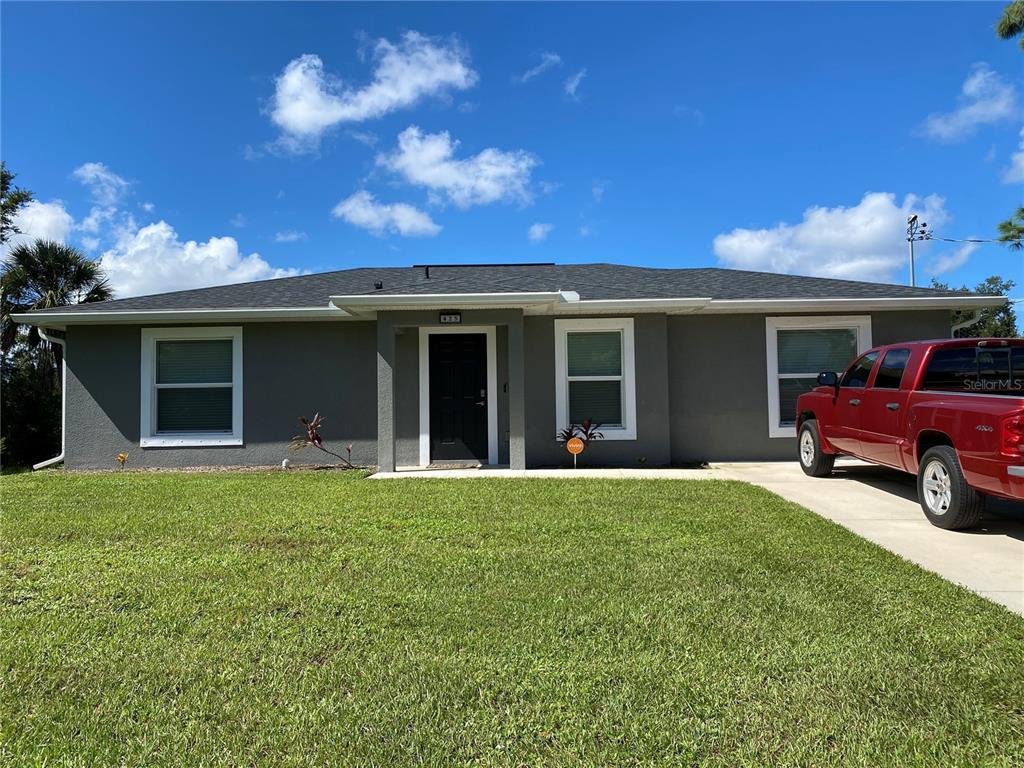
(316, 618)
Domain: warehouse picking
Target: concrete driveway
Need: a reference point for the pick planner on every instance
(881, 506)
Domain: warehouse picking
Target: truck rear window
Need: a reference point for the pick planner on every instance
(982, 370)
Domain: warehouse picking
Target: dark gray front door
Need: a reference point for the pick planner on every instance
(458, 397)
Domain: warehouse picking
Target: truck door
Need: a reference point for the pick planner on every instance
(844, 429)
(883, 409)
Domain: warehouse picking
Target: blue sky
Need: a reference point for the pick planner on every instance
(192, 144)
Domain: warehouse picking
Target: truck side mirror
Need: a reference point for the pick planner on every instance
(828, 379)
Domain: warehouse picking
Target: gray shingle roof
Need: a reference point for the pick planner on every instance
(591, 281)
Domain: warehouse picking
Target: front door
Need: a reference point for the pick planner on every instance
(458, 397)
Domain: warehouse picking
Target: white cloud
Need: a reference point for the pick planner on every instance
(547, 61)
(308, 100)
(1014, 173)
(152, 259)
(44, 221)
(573, 83)
(105, 186)
(250, 153)
(362, 210)
(985, 98)
(90, 243)
(98, 216)
(586, 230)
(598, 188)
(539, 232)
(863, 242)
(238, 221)
(427, 160)
(290, 236)
(947, 262)
(688, 114)
(148, 207)
(366, 138)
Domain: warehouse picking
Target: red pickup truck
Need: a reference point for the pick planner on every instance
(951, 412)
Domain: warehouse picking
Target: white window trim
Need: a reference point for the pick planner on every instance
(859, 323)
(624, 324)
(492, 387)
(148, 437)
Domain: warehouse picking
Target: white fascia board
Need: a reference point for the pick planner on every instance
(58, 319)
(839, 305)
(371, 302)
(670, 306)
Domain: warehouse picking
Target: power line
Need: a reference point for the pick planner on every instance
(930, 236)
(917, 232)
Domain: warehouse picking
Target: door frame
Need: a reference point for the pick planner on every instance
(492, 386)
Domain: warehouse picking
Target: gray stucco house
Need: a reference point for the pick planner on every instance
(471, 363)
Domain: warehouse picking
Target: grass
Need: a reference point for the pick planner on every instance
(304, 619)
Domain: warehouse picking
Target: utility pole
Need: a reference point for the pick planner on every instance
(915, 232)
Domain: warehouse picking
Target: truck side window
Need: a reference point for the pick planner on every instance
(857, 375)
(890, 372)
(951, 369)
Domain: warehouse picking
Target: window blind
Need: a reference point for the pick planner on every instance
(187, 409)
(201, 361)
(595, 353)
(816, 350)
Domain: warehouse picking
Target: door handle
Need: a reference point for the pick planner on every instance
(855, 401)
(893, 406)
(481, 402)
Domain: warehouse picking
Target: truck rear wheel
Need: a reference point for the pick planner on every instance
(812, 461)
(946, 498)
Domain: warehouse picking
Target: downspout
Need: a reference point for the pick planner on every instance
(63, 397)
(974, 318)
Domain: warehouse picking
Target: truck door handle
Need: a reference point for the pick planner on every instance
(855, 401)
(893, 406)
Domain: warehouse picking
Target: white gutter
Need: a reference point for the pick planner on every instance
(129, 316)
(834, 305)
(370, 302)
(639, 305)
(557, 302)
(63, 398)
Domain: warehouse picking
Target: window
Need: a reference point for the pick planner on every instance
(191, 387)
(798, 349)
(890, 372)
(594, 375)
(987, 370)
(860, 371)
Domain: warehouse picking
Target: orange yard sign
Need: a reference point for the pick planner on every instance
(574, 446)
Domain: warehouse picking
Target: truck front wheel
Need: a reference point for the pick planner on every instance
(812, 461)
(946, 498)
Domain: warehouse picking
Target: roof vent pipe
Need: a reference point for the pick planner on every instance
(378, 284)
(426, 272)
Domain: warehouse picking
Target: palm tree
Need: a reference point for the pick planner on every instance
(1011, 231)
(1012, 22)
(43, 275)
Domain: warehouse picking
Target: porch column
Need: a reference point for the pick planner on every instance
(516, 393)
(385, 393)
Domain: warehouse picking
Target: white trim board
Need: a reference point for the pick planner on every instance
(623, 324)
(492, 386)
(541, 303)
(148, 437)
(860, 323)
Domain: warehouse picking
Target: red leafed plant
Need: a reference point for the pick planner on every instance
(312, 438)
(586, 432)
